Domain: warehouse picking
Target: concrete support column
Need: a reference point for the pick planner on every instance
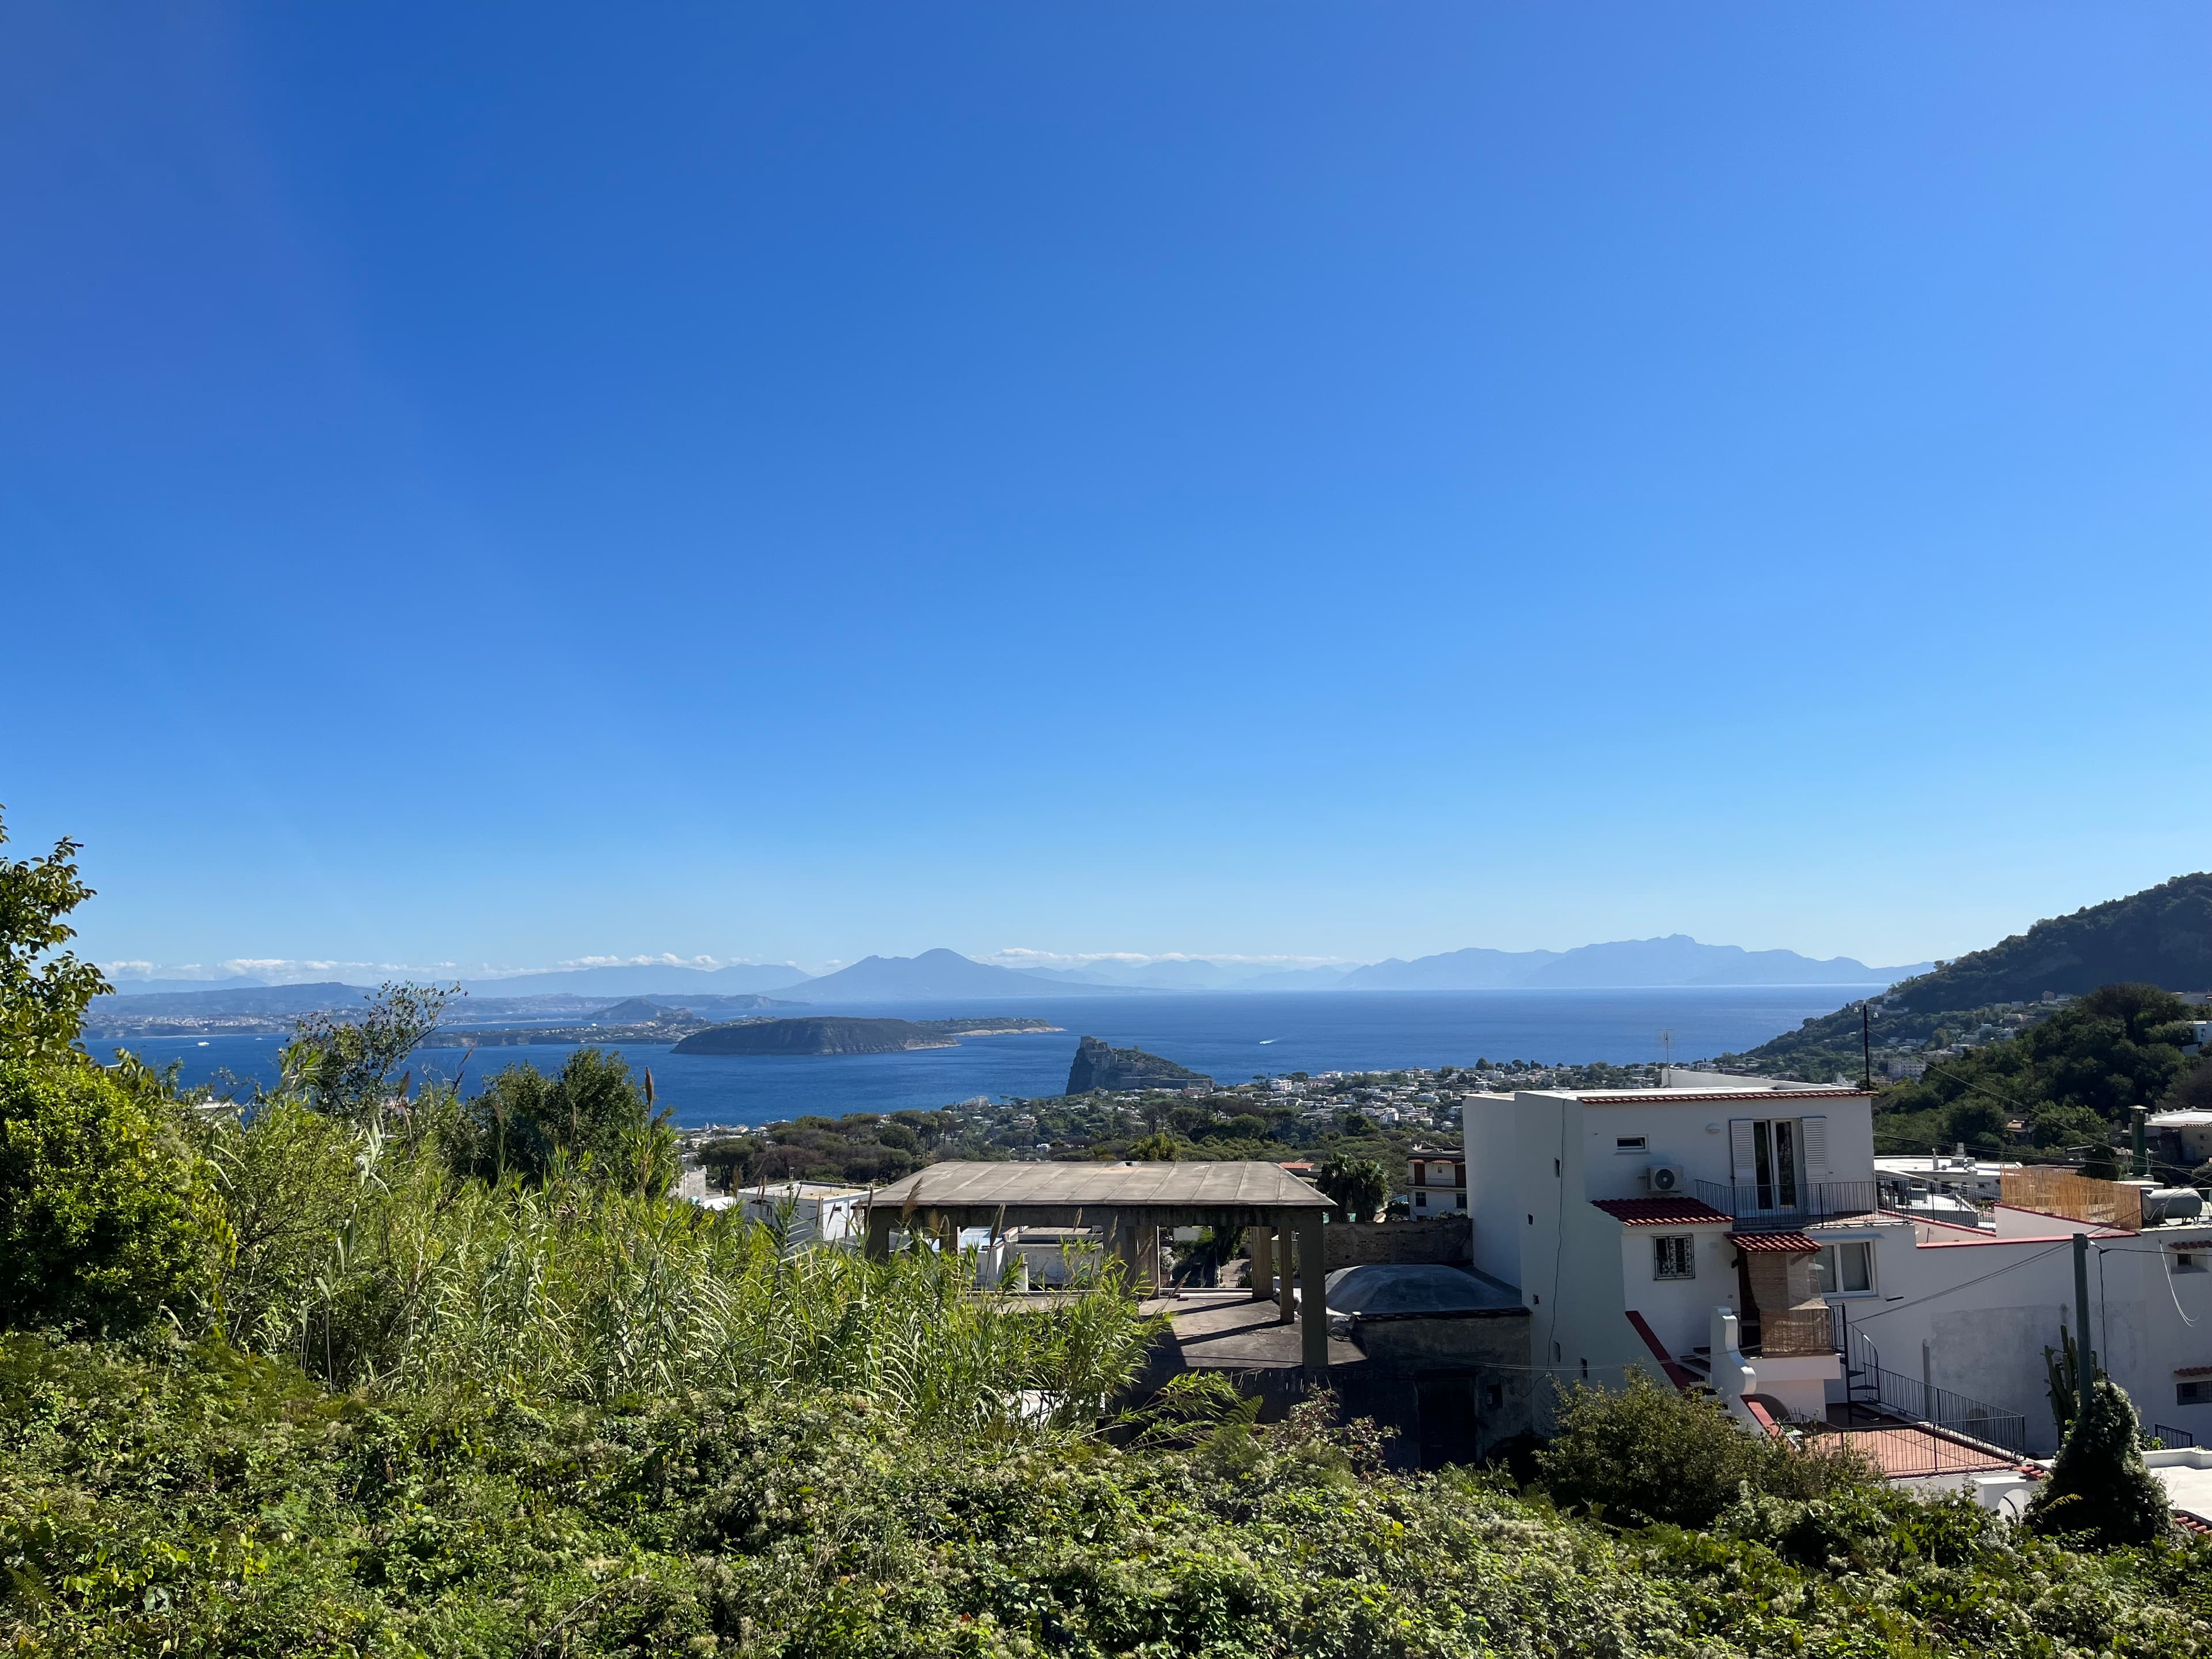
(1313, 1327)
(1260, 1246)
(1128, 1247)
(1287, 1258)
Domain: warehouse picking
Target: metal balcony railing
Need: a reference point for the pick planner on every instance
(1871, 1386)
(1777, 1209)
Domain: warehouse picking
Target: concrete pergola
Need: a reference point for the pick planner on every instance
(1131, 1202)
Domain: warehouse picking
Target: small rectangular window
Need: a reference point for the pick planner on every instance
(1845, 1269)
(1675, 1256)
(1631, 1143)
(1420, 1200)
(2188, 1394)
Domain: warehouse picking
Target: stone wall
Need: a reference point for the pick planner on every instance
(1447, 1242)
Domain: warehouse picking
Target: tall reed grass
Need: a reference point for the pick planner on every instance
(367, 1258)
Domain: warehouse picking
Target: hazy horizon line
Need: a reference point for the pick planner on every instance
(305, 970)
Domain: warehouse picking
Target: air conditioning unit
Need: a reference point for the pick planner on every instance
(1666, 1178)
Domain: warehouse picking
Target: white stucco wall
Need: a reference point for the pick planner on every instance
(1678, 1310)
(1491, 1129)
(1987, 1307)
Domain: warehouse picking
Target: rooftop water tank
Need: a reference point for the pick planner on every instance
(2163, 1204)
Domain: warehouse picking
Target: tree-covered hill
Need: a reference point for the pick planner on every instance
(2069, 1081)
(2161, 936)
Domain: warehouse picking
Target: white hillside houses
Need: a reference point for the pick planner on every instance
(1628, 1217)
(1737, 1230)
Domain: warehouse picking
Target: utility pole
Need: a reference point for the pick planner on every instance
(2084, 1364)
(1866, 1046)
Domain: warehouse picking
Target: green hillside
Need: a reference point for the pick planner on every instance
(2161, 936)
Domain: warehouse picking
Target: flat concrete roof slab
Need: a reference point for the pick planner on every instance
(1107, 1185)
(1226, 1330)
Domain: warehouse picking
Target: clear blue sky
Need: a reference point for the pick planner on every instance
(507, 485)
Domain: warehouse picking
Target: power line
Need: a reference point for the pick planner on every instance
(1951, 1290)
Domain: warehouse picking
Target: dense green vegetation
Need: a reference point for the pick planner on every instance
(347, 1378)
(166, 1497)
(2068, 1080)
(861, 1149)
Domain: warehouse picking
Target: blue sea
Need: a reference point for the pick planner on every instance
(1231, 1036)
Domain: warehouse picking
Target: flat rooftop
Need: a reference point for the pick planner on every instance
(1672, 1097)
(1107, 1185)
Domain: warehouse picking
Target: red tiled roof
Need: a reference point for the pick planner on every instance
(1774, 1243)
(1658, 1212)
(1911, 1451)
(2195, 1370)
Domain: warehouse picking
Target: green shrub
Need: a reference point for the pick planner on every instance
(108, 1213)
(1648, 1453)
(591, 1117)
(2100, 1487)
(1358, 1187)
(181, 1499)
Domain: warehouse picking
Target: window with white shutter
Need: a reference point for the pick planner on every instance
(1813, 1137)
(1742, 1152)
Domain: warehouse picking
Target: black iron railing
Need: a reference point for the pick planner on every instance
(1773, 1209)
(1870, 1386)
(2172, 1439)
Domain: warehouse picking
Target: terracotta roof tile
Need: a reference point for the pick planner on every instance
(1774, 1243)
(1658, 1212)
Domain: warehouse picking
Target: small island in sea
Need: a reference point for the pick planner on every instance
(838, 1035)
(1100, 1066)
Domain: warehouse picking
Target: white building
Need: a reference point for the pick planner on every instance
(1435, 1183)
(2180, 1139)
(1037, 1258)
(1977, 1181)
(811, 1211)
(1971, 1312)
(1627, 1217)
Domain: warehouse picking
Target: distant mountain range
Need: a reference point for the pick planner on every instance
(938, 976)
(154, 987)
(1676, 960)
(643, 979)
(231, 1001)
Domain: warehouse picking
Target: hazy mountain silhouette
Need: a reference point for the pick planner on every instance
(936, 974)
(1677, 961)
(643, 979)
